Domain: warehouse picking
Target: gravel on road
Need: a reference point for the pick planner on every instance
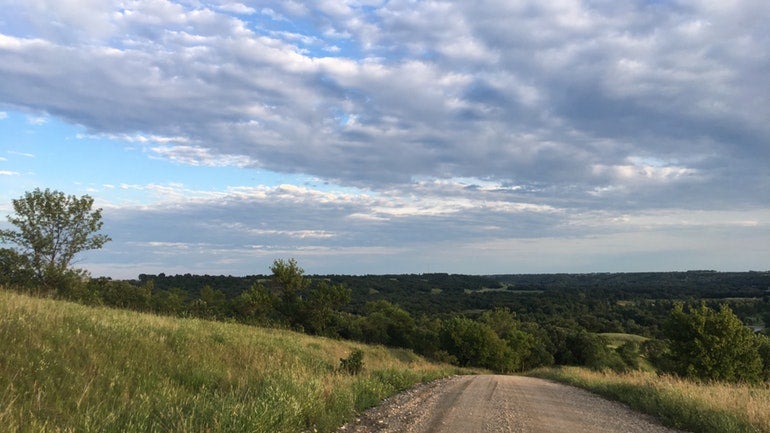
(497, 404)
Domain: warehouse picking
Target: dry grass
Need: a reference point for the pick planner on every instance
(712, 407)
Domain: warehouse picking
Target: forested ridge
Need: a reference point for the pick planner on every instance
(620, 321)
(599, 302)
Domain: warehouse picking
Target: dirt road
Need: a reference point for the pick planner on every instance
(492, 404)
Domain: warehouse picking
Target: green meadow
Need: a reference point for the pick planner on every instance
(70, 368)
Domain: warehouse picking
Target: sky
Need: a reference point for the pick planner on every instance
(372, 137)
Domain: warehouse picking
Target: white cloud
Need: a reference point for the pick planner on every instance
(37, 120)
(24, 154)
(198, 156)
(440, 118)
(238, 8)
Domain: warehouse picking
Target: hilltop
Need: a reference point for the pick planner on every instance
(68, 367)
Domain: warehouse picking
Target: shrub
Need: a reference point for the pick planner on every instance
(354, 363)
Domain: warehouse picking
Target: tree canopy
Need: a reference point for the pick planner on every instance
(713, 345)
(51, 228)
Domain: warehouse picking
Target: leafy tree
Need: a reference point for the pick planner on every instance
(592, 350)
(51, 228)
(15, 269)
(504, 323)
(289, 281)
(255, 306)
(123, 294)
(712, 345)
(475, 343)
(388, 324)
(210, 304)
(764, 353)
(171, 302)
(321, 307)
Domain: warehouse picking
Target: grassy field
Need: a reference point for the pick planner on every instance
(617, 339)
(70, 368)
(697, 407)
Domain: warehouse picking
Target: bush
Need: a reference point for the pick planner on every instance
(354, 363)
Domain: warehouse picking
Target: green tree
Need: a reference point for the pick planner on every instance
(712, 345)
(51, 228)
(477, 344)
(389, 324)
(255, 306)
(290, 282)
(15, 269)
(507, 327)
(321, 308)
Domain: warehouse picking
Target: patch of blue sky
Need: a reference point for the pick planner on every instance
(305, 34)
(45, 152)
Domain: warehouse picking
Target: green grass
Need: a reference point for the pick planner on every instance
(617, 339)
(698, 407)
(69, 368)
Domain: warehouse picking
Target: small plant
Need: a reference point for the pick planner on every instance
(354, 363)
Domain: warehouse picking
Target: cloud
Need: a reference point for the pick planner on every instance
(487, 120)
(238, 8)
(243, 230)
(559, 95)
(37, 120)
(24, 154)
(198, 156)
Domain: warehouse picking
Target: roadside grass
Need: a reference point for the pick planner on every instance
(679, 403)
(70, 368)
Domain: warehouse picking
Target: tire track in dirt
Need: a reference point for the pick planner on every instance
(501, 404)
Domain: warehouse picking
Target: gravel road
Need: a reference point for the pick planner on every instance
(492, 404)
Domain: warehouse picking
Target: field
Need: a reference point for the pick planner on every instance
(69, 368)
(698, 407)
(617, 339)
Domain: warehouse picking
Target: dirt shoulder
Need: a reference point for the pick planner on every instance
(491, 404)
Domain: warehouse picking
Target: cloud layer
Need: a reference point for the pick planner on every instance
(451, 122)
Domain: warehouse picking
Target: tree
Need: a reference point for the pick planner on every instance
(289, 281)
(504, 323)
(51, 228)
(387, 323)
(321, 313)
(15, 269)
(712, 345)
(475, 343)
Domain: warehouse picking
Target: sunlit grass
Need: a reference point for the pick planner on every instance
(698, 407)
(70, 368)
(618, 339)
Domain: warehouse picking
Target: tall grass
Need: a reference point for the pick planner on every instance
(69, 368)
(698, 407)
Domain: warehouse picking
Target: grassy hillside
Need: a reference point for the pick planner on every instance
(698, 407)
(70, 368)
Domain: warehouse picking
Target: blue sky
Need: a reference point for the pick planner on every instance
(396, 136)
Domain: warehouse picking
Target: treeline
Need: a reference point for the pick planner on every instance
(479, 322)
(636, 303)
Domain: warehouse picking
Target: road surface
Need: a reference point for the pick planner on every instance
(497, 404)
